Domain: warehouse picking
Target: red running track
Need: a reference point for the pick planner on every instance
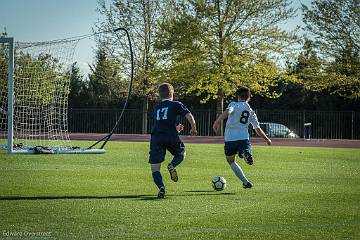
(331, 143)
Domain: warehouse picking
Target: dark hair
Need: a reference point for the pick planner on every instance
(165, 90)
(243, 93)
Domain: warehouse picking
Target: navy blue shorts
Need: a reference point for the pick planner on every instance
(237, 147)
(159, 143)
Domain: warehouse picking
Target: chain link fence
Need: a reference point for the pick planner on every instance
(276, 123)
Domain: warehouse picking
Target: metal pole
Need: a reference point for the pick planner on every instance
(10, 111)
(304, 124)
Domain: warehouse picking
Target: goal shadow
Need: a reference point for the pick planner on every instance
(35, 198)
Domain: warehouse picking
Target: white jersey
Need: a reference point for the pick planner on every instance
(238, 121)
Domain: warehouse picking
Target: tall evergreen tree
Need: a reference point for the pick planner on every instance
(106, 85)
(78, 88)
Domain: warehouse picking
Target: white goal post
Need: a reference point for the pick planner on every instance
(10, 95)
(34, 92)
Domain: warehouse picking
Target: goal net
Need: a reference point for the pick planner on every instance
(35, 80)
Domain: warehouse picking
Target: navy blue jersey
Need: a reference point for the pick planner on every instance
(167, 116)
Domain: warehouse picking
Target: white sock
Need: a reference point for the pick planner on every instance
(239, 172)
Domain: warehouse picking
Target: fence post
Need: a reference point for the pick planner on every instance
(352, 124)
(304, 133)
(209, 128)
(145, 115)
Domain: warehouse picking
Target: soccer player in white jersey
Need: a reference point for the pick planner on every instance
(239, 115)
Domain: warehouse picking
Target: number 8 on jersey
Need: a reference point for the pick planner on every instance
(244, 118)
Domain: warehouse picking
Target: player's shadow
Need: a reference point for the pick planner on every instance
(19, 198)
(135, 197)
(206, 192)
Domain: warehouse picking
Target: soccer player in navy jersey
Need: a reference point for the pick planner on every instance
(164, 135)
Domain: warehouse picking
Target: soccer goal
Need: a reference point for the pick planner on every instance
(35, 83)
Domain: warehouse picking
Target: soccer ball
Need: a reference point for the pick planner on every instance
(218, 183)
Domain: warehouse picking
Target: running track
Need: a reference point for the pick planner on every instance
(331, 143)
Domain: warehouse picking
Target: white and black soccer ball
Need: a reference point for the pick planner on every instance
(218, 183)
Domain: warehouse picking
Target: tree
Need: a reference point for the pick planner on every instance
(335, 27)
(106, 86)
(311, 89)
(140, 17)
(38, 79)
(308, 68)
(307, 73)
(217, 46)
(78, 95)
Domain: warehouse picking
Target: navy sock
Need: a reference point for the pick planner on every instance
(177, 160)
(158, 179)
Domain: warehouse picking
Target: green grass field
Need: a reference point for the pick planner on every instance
(299, 193)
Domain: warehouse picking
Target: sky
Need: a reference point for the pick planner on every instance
(42, 20)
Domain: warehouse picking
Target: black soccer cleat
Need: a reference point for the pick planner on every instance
(173, 173)
(161, 193)
(247, 185)
(248, 158)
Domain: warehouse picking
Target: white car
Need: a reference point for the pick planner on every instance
(277, 130)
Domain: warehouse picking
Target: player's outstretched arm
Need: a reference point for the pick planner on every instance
(222, 117)
(261, 133)
(191, 120)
